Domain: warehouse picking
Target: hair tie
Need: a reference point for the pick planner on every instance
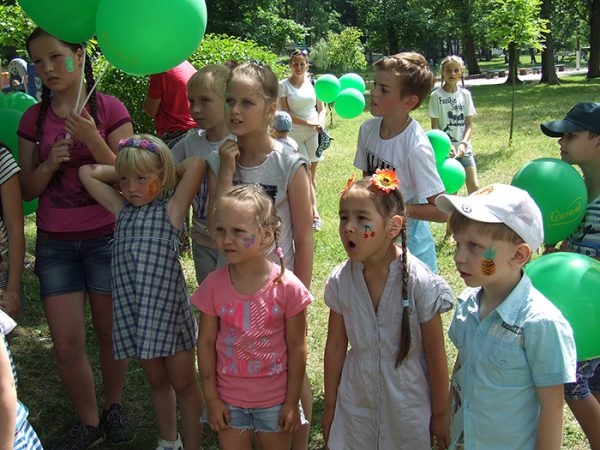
(279, 252)
(405, 303)
(385, 180)
(348, 183)
(144, 144)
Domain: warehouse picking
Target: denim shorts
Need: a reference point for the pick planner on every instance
(588, 380)
(256, 419)
(64, 267)
(467, 160)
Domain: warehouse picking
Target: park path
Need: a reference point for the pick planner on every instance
(528, 77)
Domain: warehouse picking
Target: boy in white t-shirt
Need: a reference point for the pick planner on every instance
(393, 140)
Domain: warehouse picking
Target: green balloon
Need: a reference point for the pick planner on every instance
(441, 144)
(30, 207)
(572, 281)
(9, 124)
(353, 80)
(559, 192)
(20, 101)
(143, 37)
(349, 103)
(452, 174)
(327, 87)
(3, 101)
(69, 20)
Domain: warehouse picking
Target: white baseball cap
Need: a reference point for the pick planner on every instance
(500, 203)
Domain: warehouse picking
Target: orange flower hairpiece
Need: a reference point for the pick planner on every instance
(348, 184)
(385, 180)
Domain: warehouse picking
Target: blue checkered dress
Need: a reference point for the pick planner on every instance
(152, 314)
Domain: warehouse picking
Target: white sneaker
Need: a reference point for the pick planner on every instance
(170, 445)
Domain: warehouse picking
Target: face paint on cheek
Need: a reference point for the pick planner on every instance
(368, 231)
(153, 187)
(69, 64)
(488, 266)
(249, 241)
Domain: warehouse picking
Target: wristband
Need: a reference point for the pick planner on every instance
(464, 142)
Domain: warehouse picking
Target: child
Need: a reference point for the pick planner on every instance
(252, 343)
(15, 430)
(206, 93)
(451, 109)
(393, 140)
(12, 239)
(153, 320)
(579, 134)
(74, 232)
(391, 389)
(515, 349)
(282, 125)
(252, 92)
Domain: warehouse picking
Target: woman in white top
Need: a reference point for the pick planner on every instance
(298, 98)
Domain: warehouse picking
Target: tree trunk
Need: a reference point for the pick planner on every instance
(532, 55)
(548, 70)
(471, 55)
(594, 60)
(512, 65)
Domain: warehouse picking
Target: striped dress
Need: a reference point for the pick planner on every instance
(25, 436)
(152, 314)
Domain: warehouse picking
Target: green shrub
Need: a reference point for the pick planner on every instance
(214, 49)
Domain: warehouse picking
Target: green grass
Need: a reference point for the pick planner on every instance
(41, 390)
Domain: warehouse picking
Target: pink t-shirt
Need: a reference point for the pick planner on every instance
(65, 206)
(170, 88)
(251, 345)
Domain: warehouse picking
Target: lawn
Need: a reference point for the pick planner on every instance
(40, 387)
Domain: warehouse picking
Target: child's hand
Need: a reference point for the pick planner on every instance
(9, 303)
(289, 417)
(460, 150)
(439, 431)
(58, 155)
(229, 152)
(218, 415)
(82, 126)
(326, 421)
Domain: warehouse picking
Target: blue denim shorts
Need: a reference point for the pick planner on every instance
(64, 267)
(256, 419)
(588, 380)
(467, 160)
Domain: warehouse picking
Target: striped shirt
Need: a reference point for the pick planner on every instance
(586, 239)
(8, 168)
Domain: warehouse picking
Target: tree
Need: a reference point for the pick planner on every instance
(515, 24)
(16, 26)
(548, 69)
(594, 60)
(345, 50)
(272, 31)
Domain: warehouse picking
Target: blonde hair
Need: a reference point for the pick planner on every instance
(260, 74)
(453, 59)
(265, 214)
(496, 231)
(412, 71)
(213, 77)
(146, 154)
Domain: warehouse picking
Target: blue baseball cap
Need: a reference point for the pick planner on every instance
(282, 121)
(584, 116)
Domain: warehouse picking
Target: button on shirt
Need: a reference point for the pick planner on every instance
(524, 344)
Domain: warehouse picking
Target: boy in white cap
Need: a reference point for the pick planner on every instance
(579, 140)
(515, 349)
(282, 125)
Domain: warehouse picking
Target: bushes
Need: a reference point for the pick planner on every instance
(213, 49)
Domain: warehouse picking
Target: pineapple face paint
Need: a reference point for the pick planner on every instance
(488, 266)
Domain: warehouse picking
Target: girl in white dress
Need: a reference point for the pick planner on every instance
(390, 390)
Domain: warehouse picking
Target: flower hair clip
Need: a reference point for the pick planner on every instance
(348, 184)
(385, 180)
(144, 144)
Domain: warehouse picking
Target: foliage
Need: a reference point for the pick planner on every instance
(516, 22)
(320, 56)
(213, 49)
(346, 52)
(15, 26)
(273, 31)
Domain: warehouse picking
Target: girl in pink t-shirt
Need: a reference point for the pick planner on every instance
(252, 342)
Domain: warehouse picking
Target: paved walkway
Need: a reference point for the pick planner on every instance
(528, 77)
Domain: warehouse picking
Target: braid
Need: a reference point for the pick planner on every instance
(280, 255)
(405, 337)
(89, 82)
(44, 105)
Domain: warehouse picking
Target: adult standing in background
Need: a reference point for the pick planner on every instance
(297, 97)
(167, 101)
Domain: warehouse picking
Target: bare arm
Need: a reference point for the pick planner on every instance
(99, 180)
(427, 211)
(218, 414)
(462, 146)
(301, 214)
(435, 123)
(435, 354)
(8, 401)
(295, 337)
(151, 106)
(12, 214)
(335, 355)
(549, 433)
(190, 172)
(283, 105)
(35, 176)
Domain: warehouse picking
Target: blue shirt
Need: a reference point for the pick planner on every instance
(525, 343)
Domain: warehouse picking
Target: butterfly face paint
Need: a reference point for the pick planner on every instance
(69, 64)
(368, 231)
(248, 241)
(488, 266)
